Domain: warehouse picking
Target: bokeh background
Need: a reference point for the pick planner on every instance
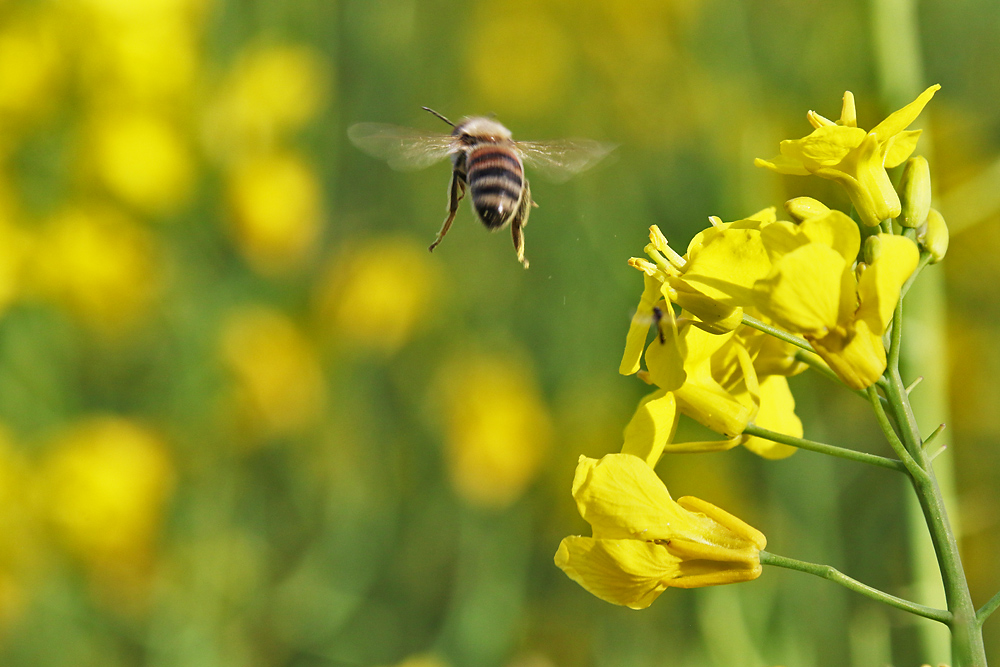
(247, 419)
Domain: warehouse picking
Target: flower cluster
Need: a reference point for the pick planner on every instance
(751, 303)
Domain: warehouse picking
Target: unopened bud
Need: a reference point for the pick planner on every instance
(873, 249)
(933, 236)
(803, 208)
(915, 192)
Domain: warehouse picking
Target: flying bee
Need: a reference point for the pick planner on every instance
(486, 160)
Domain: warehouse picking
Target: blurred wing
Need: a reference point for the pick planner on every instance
(405, 149)
(558, 160)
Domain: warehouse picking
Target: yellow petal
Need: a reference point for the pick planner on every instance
(848, 114)
(900, 147)
(836, 230)
(665, 355)
(741, 531)
(824, 147)
(802, 294)
(638, 329)
(857, 358)
(727, 266)
(777, 413)
(783, 165)
(621, 497)
(898, 121)
(724, 409)
(652, 426)
(702, 446)
(879, 286)
(631, 573)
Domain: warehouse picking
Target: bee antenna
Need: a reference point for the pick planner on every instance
(438, 115)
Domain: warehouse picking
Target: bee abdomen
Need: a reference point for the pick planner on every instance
(496, 181)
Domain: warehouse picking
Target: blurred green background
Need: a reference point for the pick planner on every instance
(247, 419)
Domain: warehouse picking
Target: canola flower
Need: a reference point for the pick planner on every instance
(750, 303)
(645, 542)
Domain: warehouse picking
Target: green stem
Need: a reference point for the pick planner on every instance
(925, 258)
(966, 634)
(835, 575)
(823, 448)
(987, 609)
(754, 323)
(890, 434)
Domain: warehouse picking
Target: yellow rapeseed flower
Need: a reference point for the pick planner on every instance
(277, 211)
(143, 159)
(20, 555)
(107, 483)
(98, 264)
(31, 68)
(375, 296)
(279, 386)
(844, 153)
(645, 542)
(497, 428)
(271, 92)
(812, 290)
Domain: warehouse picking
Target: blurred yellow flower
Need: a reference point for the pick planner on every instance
(152, 64)
(107, 482)
(842, 152)
(143, 159)
(374, 296)
(423, 660)
(271, 92)
(280, 389)
(645, 542)
(530, 74)
(498, 429)
(31, 67)
(97, 263)
(277, 210)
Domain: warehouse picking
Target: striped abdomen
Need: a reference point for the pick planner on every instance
(496, 182)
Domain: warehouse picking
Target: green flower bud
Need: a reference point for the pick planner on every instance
(802, 208)
(915, 192)
(933, 236)
(873, 248)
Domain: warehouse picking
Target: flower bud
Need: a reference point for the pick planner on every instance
(873, 248)
(915, 192)
(802, 208)
(933, 236)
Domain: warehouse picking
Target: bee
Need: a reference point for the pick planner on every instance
(486, 161)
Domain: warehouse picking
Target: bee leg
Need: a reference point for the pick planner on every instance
(518, 223)
(456, 193)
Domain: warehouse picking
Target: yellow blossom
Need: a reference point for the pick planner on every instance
(31, 67)
(270, 92)
(644, 542)
(842, 152)
(812, 290)
(107, 483)
(498, 429)
(375, 296)
(277, 210)
(143, 159)
(97, 263)
(279, 388)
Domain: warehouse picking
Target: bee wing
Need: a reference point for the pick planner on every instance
(558, 160)
(403, 148)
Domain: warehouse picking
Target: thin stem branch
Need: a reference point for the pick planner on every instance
(823, 448)
(987, 609)
(925, 258)
(833, 574)
(890, 434)
(754, 323)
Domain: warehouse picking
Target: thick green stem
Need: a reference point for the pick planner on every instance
(967, 637)
(835, 575)
(823, 448)
(754, 323)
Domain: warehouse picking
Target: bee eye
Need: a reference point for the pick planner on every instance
(466, 138)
